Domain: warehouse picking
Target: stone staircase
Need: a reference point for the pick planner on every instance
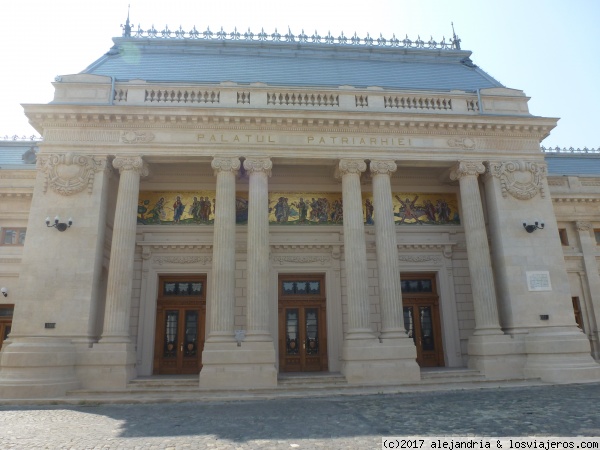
(293, 385)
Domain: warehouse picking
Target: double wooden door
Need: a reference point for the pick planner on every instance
(420, 303)
(302, 326)
(180, 325)
(6, 315)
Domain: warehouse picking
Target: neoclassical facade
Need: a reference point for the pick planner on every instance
(243, 206)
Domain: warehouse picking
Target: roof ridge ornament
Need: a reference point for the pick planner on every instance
(316, 38)
(455, 41)
(127, 26)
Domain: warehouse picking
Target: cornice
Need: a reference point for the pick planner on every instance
(556, 199)
(289, 121)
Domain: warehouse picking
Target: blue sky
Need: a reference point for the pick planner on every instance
(550, 49)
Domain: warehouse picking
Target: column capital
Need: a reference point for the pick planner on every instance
(382, 166)
(224, 164)
(258, 165)
(347, 166)
(466, 168)
(135, 163)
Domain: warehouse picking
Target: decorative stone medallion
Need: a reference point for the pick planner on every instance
(69, 173)
(521, 179)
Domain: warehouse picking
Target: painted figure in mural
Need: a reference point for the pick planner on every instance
(337, 215)
(369, 212)
(241, 210)
(158, 211)
(178, 209)
(429, 210)
(143, 208)
(302, 210)
(279, 210)
(443, 211)
(194, 209)
(207, 209)
(409, 210)
(314, 207)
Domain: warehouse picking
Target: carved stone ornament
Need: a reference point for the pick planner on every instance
(347, 166)
(135, 163)
(300, 259)
(466, 168)
(160, 260)
(69, 173)
(258, 165)
(382, 167)
(583, 226)
(521, 179)
(225, 164)
(466, 143)
(419, 258)
(136, 137)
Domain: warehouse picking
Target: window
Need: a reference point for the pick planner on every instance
(597, 236)
(562, 233)
(13, 236)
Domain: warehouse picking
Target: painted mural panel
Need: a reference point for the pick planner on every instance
(293, 208)
(157, 208)
(425, 208)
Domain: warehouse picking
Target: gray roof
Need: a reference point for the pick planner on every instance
(11, 153)
(580, 164)
(287, 64)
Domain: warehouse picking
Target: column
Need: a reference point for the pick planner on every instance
(480, 265)
(120, 272)
(390, 293)
(259, 170)
(355, 252)
(592, 278)
(221, 319)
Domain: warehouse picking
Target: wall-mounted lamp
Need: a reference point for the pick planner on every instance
(60, 226)
(532, 228)
(240, 335)
(4, 291)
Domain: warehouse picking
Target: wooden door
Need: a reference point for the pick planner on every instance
(180, 325)
(6, 315)
(302, 326)
(422, 318)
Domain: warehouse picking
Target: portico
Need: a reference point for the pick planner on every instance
(240, 229)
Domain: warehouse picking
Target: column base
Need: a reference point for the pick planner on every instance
(227, 366)
(368, 361)
(497, 356)
(37, 368)
(560, 356)
(107, 366)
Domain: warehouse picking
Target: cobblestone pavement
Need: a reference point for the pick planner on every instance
(356, 422)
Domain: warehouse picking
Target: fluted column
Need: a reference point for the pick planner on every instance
(259, 170)
(355, 251)
(120, 272)
(480, 265)
(390, 294)
(221, 318)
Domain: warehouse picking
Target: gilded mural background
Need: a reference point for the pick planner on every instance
(292, 208)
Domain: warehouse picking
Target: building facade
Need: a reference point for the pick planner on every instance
(246, 205)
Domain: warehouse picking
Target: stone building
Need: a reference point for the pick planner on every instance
(245, 205)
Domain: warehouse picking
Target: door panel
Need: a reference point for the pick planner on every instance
(421, 317)
(302, 331)
(180, 322)
(6, 315)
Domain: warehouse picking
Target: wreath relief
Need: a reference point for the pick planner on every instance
(521, 179)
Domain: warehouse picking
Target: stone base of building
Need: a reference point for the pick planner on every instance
(560, 356)
(227, 366)
(107, 366)
(37, 368)
(369, 361)
(496, 356)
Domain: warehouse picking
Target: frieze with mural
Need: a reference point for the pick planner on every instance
(288, 208)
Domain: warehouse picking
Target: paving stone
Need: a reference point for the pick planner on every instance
(352, 422)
